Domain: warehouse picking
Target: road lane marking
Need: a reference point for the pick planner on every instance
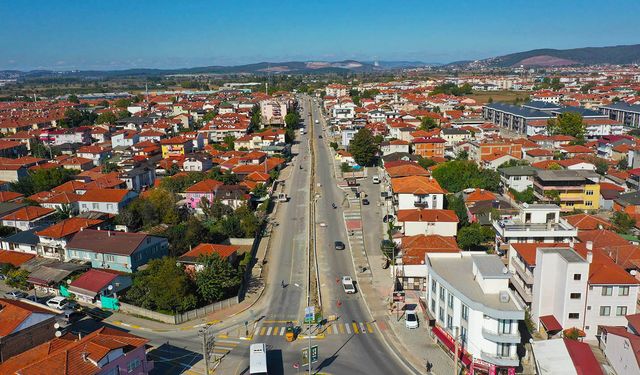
(282, 331)
(355, 328)
(346, 325)
(275, 331)
(335, 330)
(369, 328)
(341, 328)
(269, 331)
(262, 330)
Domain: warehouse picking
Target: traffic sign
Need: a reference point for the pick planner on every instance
(314, 354)
(305, 357)
(309, 314)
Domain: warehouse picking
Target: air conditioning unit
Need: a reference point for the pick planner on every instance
(504, 296)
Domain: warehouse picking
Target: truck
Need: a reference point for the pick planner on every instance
(347, 285)
(258, 359)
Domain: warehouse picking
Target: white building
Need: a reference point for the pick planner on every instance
(417, 192)
(427, 221)
(621, 346)
(109, 201)
(535, 223)
(345, 110)
(518, 178)
(469, 296)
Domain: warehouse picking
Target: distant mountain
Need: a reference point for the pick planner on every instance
(289, 67)
(559, 57)
(401, 64)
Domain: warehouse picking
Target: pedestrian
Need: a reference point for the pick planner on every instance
(429, 366)
(282, 283)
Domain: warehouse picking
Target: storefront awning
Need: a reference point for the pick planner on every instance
(448, 341)
(550, 323)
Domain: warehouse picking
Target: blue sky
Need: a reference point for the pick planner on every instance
(93, 34)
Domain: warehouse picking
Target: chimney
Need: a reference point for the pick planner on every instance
(589, 245)
(589, 256)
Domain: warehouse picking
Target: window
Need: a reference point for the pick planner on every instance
(504, 326)
(504, 350)
(621, 310)
(607, 290)
(589, 192)
(95, 206)
(109, 206)
(109, 258)
(577, 276)
(441, 315)
(450, 300)
(449, 322)
(575, 295)
(623, 290)
(574, 315)
(588, 203)
(433, 305)
(465, 312)
(433, 286)
(605, 310)
(463, 335)
(134, 364)
(442, 294)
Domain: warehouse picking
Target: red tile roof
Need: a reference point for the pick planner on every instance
(94, 280)
(205, 186)
(582, 357)
(14, 258)
(13, 313)
(550, 323)
(7, 196)
(587, 222)
(479, 195)
(29, 213)
(224, 251)
(68, 227)
(428, 215)
(416, 185)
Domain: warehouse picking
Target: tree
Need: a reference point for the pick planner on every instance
(426, 162)
(526, 196)
(40, 150)
(427, 123)
(292, 119)
(622, 222)
(217, 280)
(456, 204)
(345, 168)
(601, 166)
(163, 286)
(106, 118)
(568, 123)
(554, 167)
(42, 179)
(623, 164)
(457, 175)
(363, 147)
(109, 167)
(123, 103)
(334, 146)
(74, 118)
(229, 141)
(256, 118)
(474, 236)
(229, 178)
(73, 99)
(17, 278)
(462, 155)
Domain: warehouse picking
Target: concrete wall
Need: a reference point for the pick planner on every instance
(178, 318)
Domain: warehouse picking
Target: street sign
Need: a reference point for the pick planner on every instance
(314, 354)
(398, 296)
(309, 314)
(305, 357)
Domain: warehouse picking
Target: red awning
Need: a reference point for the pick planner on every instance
(447, 341)
(550, 323)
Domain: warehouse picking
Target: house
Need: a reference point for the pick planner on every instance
(196, 163)
(479, 151)
(203, 189)
(565, 356)
(574, 190)
(53, 239)
(124, 138)
(417, 192)
(583, 289)
(273, 111)
(110, 201)
(10, 196)
(94, 284)
(404, 169)
(394, 145)
(454, 136)
(468, 298)
(190, 259)
(139, 177)
(27, 217)
(535, 155)
(427, 221)
(518, 178)
(534, 223)
(584, 222)
(105, 351)
(176, 146)
(119, 251)
(23, 325)
(429, 147)
(12, 173)
(621, 346)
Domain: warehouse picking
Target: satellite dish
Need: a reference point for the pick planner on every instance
(56, 325)
(505, 270)
(58, 333)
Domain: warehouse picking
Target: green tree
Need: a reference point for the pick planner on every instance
(345, 168)
(456, 204)
(457, 175)
(526, 196)
(462, 155)
(568, 123)
(601, 166)
(474, 237)
(623, 222)
(334, 146)
(426, 162)
(163, 286)
(256, 118)
(292, 119)
(623, 164)
(42, 179)
(229, 142)
(229, 178)
(217, 280)
(109, 167)
(17, 278)
(73, 99)
(363, 147)
(427, 123)
(74, 118)
(106, 118)
(123, 103)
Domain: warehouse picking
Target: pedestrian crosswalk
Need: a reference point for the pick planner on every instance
(222, 346)
(332, 328)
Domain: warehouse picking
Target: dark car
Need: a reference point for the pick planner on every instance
(339, 245)
(365, 201)
(388, 218)
(320, 136)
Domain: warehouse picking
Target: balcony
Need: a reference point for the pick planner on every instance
(511, 338)
(510, 361)
(526, 275)
(523, 292)
(517, 229)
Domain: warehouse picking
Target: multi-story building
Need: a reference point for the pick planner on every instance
(336, 90)
(429, 147)
(417, 192)
(273, 112)
(480, 151)
(625, 113)
(468, 296)
(518, 178)
(571, 189)
(534, 223)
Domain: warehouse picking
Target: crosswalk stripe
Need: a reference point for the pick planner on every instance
(262, 330)
(275, 331)
(369, 328)
(346, 325)
(269, 331)
(341, 328)
(335, 329)
(282, 331)
(355, 328)
(362, 328)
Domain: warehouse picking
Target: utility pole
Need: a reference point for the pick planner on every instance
(204, 332)
(455, 344)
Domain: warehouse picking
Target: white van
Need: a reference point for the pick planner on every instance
(375, 179)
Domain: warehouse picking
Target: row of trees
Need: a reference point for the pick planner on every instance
(457, 175)
(452, 89)
(41, 180)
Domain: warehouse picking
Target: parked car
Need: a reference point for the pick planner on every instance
(365, 202)
(375, 179)
(15, 294)
(411, 319)
(339, 245)
(388, 218)
(69, 316)
(59, 303)
(33, 298)
(347, 285)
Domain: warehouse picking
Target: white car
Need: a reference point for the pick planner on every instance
(59, 303)
(347, 285)
(411, 319)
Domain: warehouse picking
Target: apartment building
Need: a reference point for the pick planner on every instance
(417, 192)
(627, 114)
(429, 147)
(518, 178)
(534, 223)
(468, 297)
(481, 151)
(571, 189)
(273, 112)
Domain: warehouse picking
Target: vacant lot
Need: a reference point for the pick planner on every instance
(498, 96)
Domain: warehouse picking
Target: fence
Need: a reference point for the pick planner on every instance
(178, 318)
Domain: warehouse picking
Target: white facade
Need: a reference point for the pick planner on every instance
(410, 201)
(470, 292)
(620, 351)
(608, 305)
(413, 228)
(344, 111)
